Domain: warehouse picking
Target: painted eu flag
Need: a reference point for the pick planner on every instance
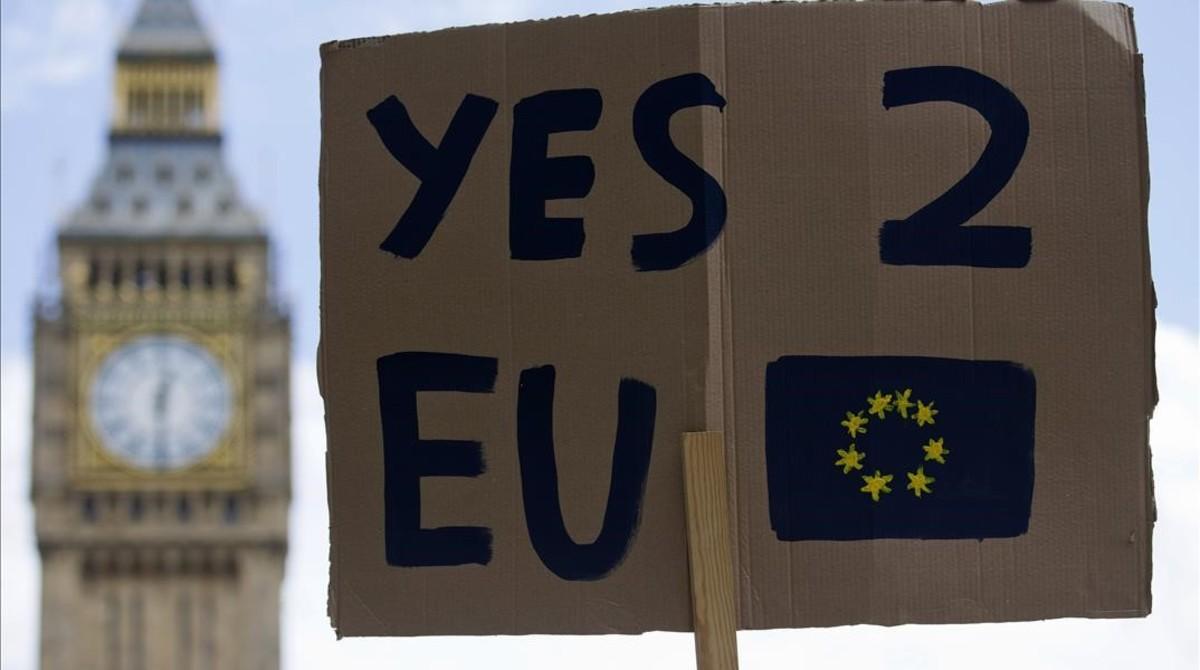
(898, 447)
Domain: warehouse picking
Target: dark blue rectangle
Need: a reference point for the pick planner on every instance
(982, 477)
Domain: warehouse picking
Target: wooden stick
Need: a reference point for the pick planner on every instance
(706, 501)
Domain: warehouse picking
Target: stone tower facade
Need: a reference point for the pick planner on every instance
(161, 446)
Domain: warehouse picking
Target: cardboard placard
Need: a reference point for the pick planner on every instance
(895, 252)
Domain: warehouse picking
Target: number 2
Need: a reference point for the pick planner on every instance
(934, 234)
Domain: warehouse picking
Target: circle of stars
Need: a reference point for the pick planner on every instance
(879, 406)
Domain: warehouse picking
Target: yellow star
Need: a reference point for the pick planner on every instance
(924, 413)
(875, 484)
(850, 459)
(854, 423)
(919, 483)
(934, 451)
(902, 402)
(879, 404)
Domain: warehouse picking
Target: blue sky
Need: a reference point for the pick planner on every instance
(56, 61)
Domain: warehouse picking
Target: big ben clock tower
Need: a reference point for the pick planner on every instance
(161, 450)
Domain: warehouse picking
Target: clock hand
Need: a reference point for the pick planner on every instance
(160, 398)
(161, 395)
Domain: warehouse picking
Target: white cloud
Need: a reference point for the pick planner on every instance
(19, 570)
(1167, 639)
(52, 44)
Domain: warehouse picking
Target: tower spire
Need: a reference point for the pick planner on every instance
(166, 82)
(164, 175)
(165, 29)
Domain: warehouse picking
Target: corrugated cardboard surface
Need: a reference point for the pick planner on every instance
(811, 164)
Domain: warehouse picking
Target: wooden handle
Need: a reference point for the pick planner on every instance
(706, 502)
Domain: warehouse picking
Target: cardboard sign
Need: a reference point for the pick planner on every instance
(895, 252)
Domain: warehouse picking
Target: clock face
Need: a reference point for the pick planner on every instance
(161, 402)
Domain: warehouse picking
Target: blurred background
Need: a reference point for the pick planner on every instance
(82, 128)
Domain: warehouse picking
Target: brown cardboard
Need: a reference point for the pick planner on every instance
(811, 164)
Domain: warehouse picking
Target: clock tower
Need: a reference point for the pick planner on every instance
(161, 450)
